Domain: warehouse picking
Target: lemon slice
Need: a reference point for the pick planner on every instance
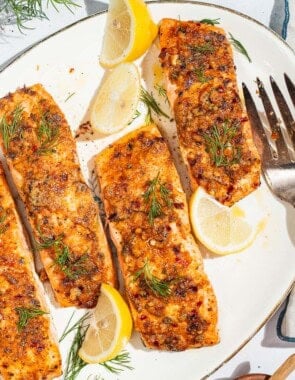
(222, 229)
(128, 33)
(117, 99)
(110, 328)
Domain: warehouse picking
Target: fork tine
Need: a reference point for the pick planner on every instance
(284, 109)
(290, 87)
(282, 149)
(257, 127)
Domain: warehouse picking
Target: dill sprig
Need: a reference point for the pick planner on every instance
(200, 73)
(161, 91)
(71, 267)
(135, 116)
(239, 47)
(69, 96)
(210, 21)
(152, 199)
(151, 105)
(10, 130)
(118, 363)
(3, 217)
(202, 49)
(25, 10)
(158, 287)
(219, 144)
(47, 134)
(75, 364)
(25, 314)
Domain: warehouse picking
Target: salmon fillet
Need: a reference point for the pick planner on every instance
(171, 299)
(214, 133)
(27, 350)
(42, 158)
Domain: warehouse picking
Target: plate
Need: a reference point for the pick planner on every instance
(249, 285)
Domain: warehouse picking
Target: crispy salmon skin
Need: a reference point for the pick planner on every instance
(214, 133)
(42, 158)
(28, 349)
(171, 299)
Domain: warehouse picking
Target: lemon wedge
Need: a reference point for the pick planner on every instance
(222, 229)
(110, 328)
(129, 32)
(117, 99)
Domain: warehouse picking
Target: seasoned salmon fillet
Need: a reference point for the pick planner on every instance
(28, 348)
(171, 299)
(213, 130)
(64, 217)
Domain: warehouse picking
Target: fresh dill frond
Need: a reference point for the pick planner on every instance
(210, 21)
(3, 217)
(202, 49)
(75, 364)
(220, 145)
(25, 10)
(68, 329)
(151, 105)
(119, 363)
(10, 130)
(158, 287)
(161, 91)
(152, 199)
(47, 134)
(239, 47)
(45, 242)
(135, 116)
(25, 314)
(200, 73)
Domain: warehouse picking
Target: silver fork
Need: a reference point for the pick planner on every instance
(278, 159)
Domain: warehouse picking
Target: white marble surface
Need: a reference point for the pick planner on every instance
(264, 352)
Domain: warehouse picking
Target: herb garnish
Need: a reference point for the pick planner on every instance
(12, 129)
(135, 116)
(25, 10)
(210, 21)
(69, 96)
(161, 91)
(206, 48)
(219, 144)
(47, 135)
(3, 217)
(200, 73)
(71, 267)
(25, 314)
(239, 47)
(151, 105)
(75, 364)
(152, 199)
(159, 287)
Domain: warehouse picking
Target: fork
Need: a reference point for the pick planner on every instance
(278, 159)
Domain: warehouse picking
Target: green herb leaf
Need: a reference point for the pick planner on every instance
(200, 73)
(25, 314)
(202, 49)
(135, 116)
(210, 21)
(220, 145)
(25, 10)
(239, 47)
(162, 92)
(12, 129)
(159, 287)
(118, 363)
(47, 134)
(151, 105)
(152, 199)
(69, 96)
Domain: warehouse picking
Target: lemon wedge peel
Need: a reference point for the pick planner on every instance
(101, 345)
(129, 32)
(117, 99)
(221, 229)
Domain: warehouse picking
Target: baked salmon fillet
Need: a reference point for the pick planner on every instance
(214, 132)
(28, 348)
(64, 217)
(171, 299)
